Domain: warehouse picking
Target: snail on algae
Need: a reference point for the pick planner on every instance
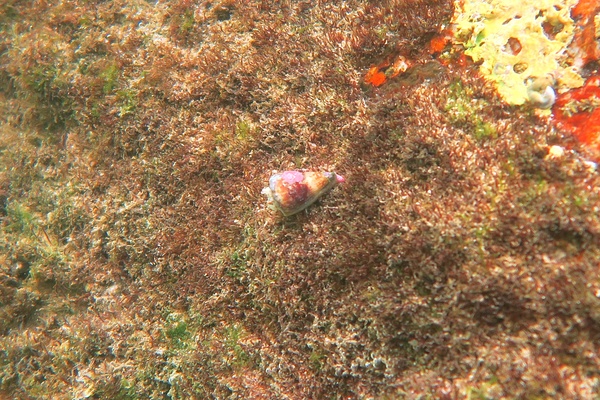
(518, 43)
(293, 191)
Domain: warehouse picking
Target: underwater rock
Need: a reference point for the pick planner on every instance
(293, 191)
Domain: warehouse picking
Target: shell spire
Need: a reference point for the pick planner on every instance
(293, 191)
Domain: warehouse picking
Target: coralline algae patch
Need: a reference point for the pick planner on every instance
(578, 111)
(518, 41)
(586, 46)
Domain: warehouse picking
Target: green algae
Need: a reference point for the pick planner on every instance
(464, 112)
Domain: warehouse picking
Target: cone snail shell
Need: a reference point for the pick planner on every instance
(293, 191)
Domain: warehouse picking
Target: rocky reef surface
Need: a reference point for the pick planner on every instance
(138, 258)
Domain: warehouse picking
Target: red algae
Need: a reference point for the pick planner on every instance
(585, 36)
(578, 111)
(375, 76)
(388, 69)
(396, 65)
(439, 42)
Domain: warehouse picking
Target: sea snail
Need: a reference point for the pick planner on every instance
(541, 92)
(293, 191)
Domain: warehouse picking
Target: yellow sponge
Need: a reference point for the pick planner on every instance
(517, 42)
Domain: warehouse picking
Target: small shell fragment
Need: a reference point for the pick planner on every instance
(555, 152)
(293, 191)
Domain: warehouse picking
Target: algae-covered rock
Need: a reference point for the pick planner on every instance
(518, 41)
